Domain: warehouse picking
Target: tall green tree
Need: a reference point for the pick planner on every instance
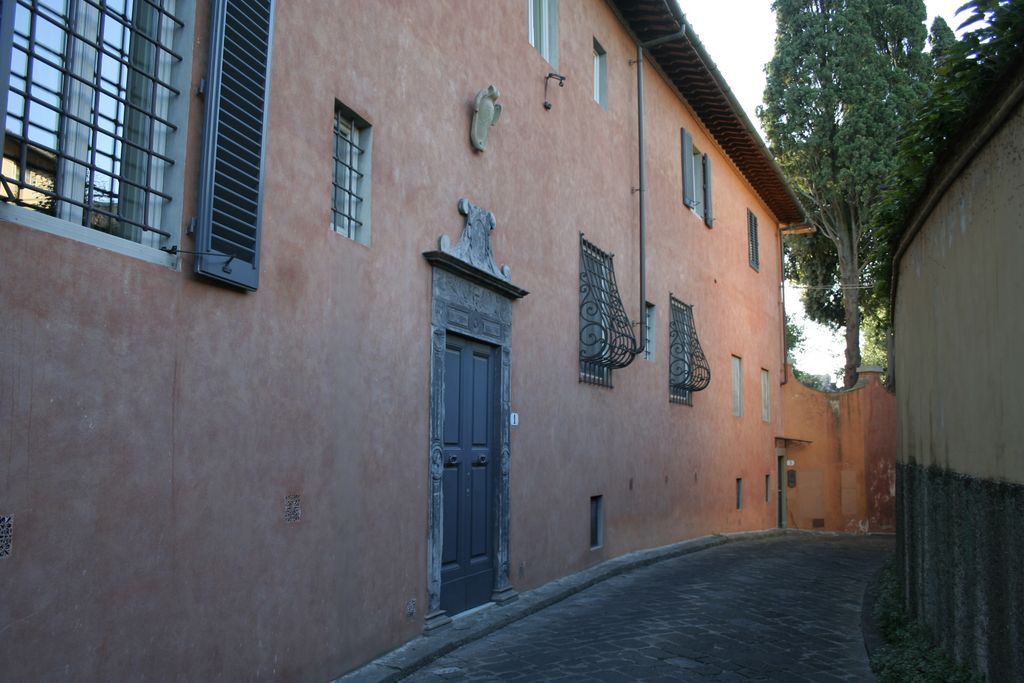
(966, 79)
(845, 74)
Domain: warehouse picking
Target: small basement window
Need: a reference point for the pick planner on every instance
(596, 522)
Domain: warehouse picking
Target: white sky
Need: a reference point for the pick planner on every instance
(740, 36)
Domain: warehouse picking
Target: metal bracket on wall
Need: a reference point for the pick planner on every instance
(561, 84)
(174, 251)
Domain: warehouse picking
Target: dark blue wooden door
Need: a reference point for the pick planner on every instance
(467, 556)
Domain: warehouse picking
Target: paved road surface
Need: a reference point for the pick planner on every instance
(785, 608)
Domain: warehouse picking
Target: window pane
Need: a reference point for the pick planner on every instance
(537, 24)
(600, 75)
(737, 386)
(350, 176)
(697, 164)
(766, 414)
(87, 114)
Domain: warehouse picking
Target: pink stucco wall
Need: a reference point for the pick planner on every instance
(843, 446)
(151, 424)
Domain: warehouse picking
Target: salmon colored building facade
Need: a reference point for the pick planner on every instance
(840, 452)
(260, 470)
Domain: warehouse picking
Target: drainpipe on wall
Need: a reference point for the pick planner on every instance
(642, 184)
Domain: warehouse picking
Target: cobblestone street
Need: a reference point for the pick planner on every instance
(785, 608)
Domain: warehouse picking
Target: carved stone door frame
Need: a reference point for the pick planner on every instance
(472, 297)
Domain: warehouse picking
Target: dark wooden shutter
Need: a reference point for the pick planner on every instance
(752, 246)
(709, 217)
(234, 139)
(687, 154)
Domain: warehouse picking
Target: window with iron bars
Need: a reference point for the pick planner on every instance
(350, 201)
(688, 369)
(679, 351)
(91, 108)
(595, 310)
(607, 336)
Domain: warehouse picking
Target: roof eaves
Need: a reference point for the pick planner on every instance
(687, 64)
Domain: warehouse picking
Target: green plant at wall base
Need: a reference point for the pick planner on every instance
(844, 75)
(908, 655)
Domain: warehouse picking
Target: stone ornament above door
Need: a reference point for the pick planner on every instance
(471, 257)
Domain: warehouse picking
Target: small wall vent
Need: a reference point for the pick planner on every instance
(6, 535)
(292, 508)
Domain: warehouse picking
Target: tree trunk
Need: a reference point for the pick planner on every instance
(849, 277)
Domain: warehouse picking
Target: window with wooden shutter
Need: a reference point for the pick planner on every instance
(696, 178)
(234, 139)
(753, 251)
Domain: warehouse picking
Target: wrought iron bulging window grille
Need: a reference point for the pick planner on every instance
(607, 339)
(87, 113)
(688, 369)
(348, 215)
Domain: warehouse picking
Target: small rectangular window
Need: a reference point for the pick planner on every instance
(543, 27)
(753, 251)
(649, 331)
(739, 494)
(737, 386)
(350, 194)
(767, 488)
(596, 521)
(766, 405)
(600, 75)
